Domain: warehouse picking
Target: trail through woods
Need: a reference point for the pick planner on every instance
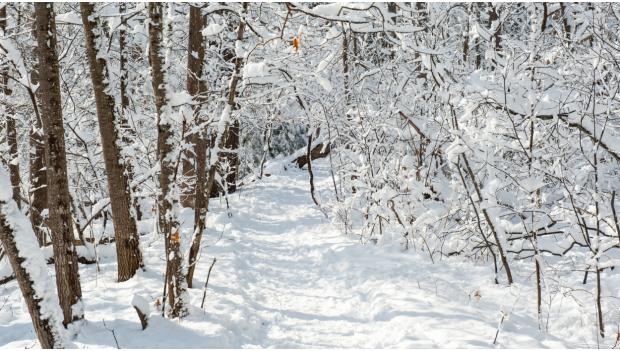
(285, 277)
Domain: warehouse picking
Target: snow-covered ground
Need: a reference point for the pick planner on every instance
(285, 277)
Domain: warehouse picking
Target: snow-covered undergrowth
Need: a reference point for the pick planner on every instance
(286, 277)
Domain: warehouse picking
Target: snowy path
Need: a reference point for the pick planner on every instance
(301, 283)
(285, 277)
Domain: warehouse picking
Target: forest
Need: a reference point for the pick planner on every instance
(309, 175)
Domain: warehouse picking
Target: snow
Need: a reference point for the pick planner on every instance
(213, 29)
(328, 9)
(324, 62)
(14, 56)
(69, 18)
(239, 50)
(6, 191)
(178, 98)
(140, 303)
(222, 124)
(286, 277)
(33, 262)
(255, 69)
(324, 82)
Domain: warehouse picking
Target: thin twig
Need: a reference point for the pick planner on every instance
(204, 293)
(113, 333)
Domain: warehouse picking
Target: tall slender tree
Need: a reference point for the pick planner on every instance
(176, 285)
(37, 174)
(197, 88)
(11, 132)
(217, 155)
(128, 253)
(59, 199)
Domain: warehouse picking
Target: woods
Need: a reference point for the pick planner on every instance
(471, 135)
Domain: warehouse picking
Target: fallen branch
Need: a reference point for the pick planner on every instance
(319, 151)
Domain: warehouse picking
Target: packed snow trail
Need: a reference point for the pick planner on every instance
(285, 277)
(302, 284)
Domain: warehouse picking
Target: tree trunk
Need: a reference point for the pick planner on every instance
(231, 141)
(59, 200)
(37, 174)
(30, 269)
(494, 16)
(125, 127)
(176, 284)
(11, 133)
(230, 157)
(219, 143)
(197, 88)
(128, 253)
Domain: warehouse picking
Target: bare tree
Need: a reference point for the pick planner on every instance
(37, 174)
(30, 269)
(59, 199)
(11, 132)
(218, 155)
(197, 88)
(128, 253)
(175, 277)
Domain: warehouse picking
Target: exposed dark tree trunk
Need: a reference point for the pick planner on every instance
(466, 35)
(195, 58)
(493, 17)
(220, 142)
(59, 200)
(565, 25)
(197, 88)
(231, 140)
(543, 25)
(128, 253)
(175, 278)
(46, 325)
(38, 174)
(11, 132)
(229, 152)
(123, 77)
(188, 172)
(345, 74)
(231, 156)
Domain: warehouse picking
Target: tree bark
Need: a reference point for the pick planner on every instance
(37, 174)
(11, 133)
(197, 88)
(219, 143)
(59, 200)
(176, 283)
(494, 16)
(30, 270)
(125, 127)
(230, 157)
(128, 253)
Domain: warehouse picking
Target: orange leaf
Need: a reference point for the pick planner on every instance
(296, 42)
(175, 238)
